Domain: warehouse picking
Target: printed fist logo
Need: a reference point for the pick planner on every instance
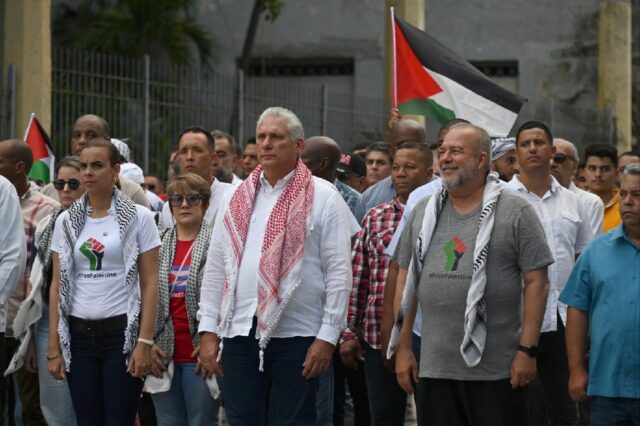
(454, 250)
(94, 251)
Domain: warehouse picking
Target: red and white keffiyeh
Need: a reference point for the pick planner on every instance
(282, 247)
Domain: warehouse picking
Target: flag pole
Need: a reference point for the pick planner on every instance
(394, 77)
(26, 132)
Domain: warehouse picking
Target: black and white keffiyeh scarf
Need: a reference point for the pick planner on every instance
(127, 218)
(475, 316)
(165, 337)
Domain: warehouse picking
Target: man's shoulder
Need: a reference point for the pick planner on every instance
(222, 187)
(588, 198)
(375, 189)
(43, 200)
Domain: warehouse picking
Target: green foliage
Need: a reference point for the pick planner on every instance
(136, 27)
(273, 8)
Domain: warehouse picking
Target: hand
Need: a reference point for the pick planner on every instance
(351, 353)
(578, 385)
(157, 361)
(406, 369)
(56, 368)
(523, 370)
(140, 361)
(30, 360)
(395, 117)
(207, 354)
(318, 359)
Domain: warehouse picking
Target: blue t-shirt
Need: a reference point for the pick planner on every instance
(605, 282)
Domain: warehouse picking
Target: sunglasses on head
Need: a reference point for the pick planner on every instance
(176, 200)
(73, 184)
(560, 157)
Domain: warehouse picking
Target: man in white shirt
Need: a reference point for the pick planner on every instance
(568, 232)
(196, 154)
(563, 167)
(276, 283)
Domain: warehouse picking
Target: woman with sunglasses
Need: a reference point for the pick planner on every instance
(55, 400)
(183, 255)
(105, 255)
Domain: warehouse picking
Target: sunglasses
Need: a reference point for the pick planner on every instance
(73, 184)
(192, 199)
(560, 157)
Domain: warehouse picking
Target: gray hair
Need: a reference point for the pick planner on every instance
(632, 169)
(482, 142)
(572, 148)
(293, 122)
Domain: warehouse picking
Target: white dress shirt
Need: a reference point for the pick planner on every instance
(235, 181)
(220, 193)
(568, 231)
(319, 305)
(13, 248)
(594, 208)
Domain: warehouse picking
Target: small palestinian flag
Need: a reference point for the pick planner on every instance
(430, 79)
(43, 158)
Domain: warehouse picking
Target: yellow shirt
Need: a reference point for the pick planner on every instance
(612, 213)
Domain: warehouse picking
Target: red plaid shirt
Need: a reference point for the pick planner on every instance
(370, 268)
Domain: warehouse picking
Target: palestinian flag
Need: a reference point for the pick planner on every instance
(430, 79)
(43, 158)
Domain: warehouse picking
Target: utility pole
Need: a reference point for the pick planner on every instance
(614, 67)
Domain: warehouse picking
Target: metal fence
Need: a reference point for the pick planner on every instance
(149, 103)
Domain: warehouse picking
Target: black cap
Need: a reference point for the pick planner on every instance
(352, 163)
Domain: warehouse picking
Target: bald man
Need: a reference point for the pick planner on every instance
(564, 165)
(405, 130)
(16, 160)
(89, 127)
(322, 155)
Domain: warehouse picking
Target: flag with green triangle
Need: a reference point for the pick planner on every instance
(43, 158)
(430, 79)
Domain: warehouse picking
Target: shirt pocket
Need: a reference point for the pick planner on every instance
(380, 240)
(567, 228)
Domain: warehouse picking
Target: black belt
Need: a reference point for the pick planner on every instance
(97, 328)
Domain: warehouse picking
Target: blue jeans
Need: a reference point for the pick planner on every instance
(324, 398)
(102, 391)
(55, 399)
(280, 391)
(387, 400)
(607, 411)
(188, 402)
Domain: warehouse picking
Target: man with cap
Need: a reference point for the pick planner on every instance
(503, 158)
(89, 127)
(563, 167)
(352, 171)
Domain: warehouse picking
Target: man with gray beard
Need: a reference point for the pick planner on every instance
(464, 257)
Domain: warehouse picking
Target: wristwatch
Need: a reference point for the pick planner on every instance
(532, 351)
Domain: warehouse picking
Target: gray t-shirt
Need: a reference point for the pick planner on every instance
(518, 245)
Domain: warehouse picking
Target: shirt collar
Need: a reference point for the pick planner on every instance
(280, 184)
(619, 233)
(519, 186)
(397, 204)
(614, 200)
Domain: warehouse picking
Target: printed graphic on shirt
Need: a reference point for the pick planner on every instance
(178, 280)
(453, 250)
(94, 251)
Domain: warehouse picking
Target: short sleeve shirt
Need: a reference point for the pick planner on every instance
(517, 246)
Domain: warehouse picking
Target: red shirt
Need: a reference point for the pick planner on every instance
(177, 308)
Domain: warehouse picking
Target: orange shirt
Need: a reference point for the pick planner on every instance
(612, 213)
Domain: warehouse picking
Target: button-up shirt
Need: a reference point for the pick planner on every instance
(370, 269)
(568, 232)
(319, 305)
(606, 283)
(13, 250)
(594, 208)
(612, 212)
(349, 195)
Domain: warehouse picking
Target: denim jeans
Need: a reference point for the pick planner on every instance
(607, 411)
(102, 391)
(324, 398)
(55, 399)
(188, 402)
(279, 392)
(387, 400)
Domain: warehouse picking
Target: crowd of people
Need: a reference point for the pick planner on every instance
(487, 281)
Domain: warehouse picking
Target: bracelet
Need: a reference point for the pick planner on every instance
(52, 357)
(145, 341)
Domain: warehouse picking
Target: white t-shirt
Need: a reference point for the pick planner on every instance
(98, 276)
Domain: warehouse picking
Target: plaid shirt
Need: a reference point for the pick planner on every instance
(370, 268)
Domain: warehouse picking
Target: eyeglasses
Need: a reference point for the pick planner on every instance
(192, 199)
(73, 184)
(560, 157)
